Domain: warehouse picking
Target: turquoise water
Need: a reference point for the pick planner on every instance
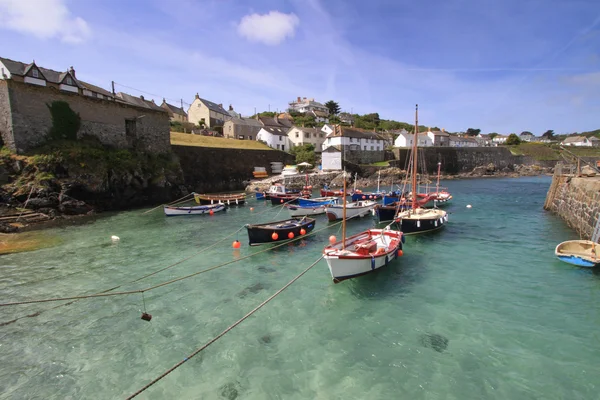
(480, 310)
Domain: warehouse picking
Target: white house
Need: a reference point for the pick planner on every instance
(331, 159)
(485, 140)
(327, 129)
(527, 137)
(354, 139)
(320, 116)
(499, 139)
(406, 140)
(303, 105)
(579, 141)
(300, 135)
(439, 138)
(275, 138)
(458, 141)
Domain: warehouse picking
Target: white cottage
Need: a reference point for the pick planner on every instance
(579, 141)
(405, 139)
(274, 137)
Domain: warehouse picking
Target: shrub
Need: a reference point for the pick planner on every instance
(65, 121)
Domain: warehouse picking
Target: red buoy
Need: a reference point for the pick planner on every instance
(303, 231)
(400, 253)
(236, 244)
(364, 197)
(281, 201)
(274, 236)
(211, 212)
(291, 235)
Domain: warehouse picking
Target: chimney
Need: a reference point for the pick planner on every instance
(72, 72)
(443, 130)
(164, 100)
(299, 99)
(220, 105)
(230, 107)
(142, 97)
(197, 97)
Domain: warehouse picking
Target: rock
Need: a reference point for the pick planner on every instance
(38, 202)
(73, 207)
(7, 228)
(4, 175)
(588, 171)
(490, 168)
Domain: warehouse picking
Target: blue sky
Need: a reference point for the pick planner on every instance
(501, 66)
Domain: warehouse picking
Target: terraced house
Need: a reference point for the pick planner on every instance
(31, 97)
(206, 113)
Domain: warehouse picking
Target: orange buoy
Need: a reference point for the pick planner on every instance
(291, 235)
(400, 253)
(211, 212)
(370, 196)
(236, 244)
(281, 201)
(274, 236)
(303, 231)
(332, 239)
(251, 208)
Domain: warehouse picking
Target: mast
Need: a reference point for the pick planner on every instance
(414, 168)
(344, 215)
(378, 176)
(437, 186)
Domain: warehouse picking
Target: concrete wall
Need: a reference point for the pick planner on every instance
(31, 119)
(457, 160)
(207, 170)
(5, 116)
(576, 201)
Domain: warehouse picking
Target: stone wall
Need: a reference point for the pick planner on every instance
(211, 170)
(5, 116)
(363, 157)
(105, 119)
(576, 201)
(457, 160)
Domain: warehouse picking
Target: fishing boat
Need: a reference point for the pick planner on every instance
(583, 253)
(351, 210)
(287, 198)
(229, 199)
(279, 231)
(417, 219)
(298, 211)
(275, 189)
(441, 196)
(362, 253)
(318, 201)
(360, 195)
(325, 192)
(171, 211)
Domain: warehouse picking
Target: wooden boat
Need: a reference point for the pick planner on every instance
(417, 219)
(297, 210)
(229, 199)
(318, 201)
(287, 198)
(326, 192)
(388, 213)
(352, 210)
(362, 253)
(277, 188)
(272, 232)
(583, 253)
(441, 196)
(193, 210)
(360, 195)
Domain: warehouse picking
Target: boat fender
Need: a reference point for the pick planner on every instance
(372, 263)
(418, 224)
(403, 239)
(435, 222)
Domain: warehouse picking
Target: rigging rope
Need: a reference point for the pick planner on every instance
(171, 203)
(220, 335)
(107, 294)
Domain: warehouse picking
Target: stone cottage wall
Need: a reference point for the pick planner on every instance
(5, 116)
(104, 119)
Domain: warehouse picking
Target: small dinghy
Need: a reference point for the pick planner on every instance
(228, 198)
(279, 231)
(171, 211)
(298, 211)
(583, 253)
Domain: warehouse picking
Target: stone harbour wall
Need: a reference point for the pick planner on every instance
(576, 200)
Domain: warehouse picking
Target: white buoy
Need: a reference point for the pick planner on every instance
(115, 238)
(469, 206)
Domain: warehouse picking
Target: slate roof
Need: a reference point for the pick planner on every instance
(574, 139)
(285, 122)
(173, 109)
(213, 106)
(453, 138)
(308, 130)
(345, 131)
(139, 102)
(278, 131)
(320, 114)
(246, 121)
(439, 133)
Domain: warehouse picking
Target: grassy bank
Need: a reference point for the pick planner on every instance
(537, 151)
(186, 139)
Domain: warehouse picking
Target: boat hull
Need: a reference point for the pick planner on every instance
(237, 199)
(263, 233)
(582, 253)
(195, 210)
(336, 193)
(277, 199)
(387, 246)
(388, 213)
(424, 220)
(318, 201)
(299, 211)
(366, 196)
(353, 210)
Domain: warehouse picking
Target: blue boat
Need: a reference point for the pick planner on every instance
(318, 201)
(359, 195)
(582, 253)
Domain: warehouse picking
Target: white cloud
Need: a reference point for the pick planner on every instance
(44, 19)
(271, 29)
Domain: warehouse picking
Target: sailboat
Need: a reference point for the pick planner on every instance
(361, 253)
(417, 219)
(439, 197)
(582, 253)
(360, 195)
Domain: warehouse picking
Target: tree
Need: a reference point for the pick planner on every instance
(492, 135)
(334, 108)
(549, 134)
(526, 133)
(472, 132)
(513, 139)
(304, 153)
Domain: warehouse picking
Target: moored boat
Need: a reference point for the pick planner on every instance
(279, 231)
(582, 253)
(354, 209)
(441, 196)
(297, 211)
(226, 198)
(318, 201)
(362, 253)
(171, 211)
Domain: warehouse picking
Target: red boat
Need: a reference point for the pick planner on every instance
(330, 193)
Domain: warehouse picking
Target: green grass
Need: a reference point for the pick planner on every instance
(584, 151)
(186, 139)
(380, 164)
(538, 151)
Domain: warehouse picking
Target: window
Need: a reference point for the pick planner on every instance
(321, 135)
(365, 148)
(277, 147)
(297, 135)
(241, 137)
(328, 140)
(69, 81)
(283, 147)
(308, 135)
(279, 139)
(35, 73)
(371, 148)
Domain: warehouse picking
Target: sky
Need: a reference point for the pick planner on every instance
(499, 66)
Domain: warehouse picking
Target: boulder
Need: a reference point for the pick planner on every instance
(73, 207)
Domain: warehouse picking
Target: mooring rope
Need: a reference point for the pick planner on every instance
(107, 294)
(180, 200)
(220, 335)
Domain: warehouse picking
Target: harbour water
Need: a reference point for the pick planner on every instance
(480, 310)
